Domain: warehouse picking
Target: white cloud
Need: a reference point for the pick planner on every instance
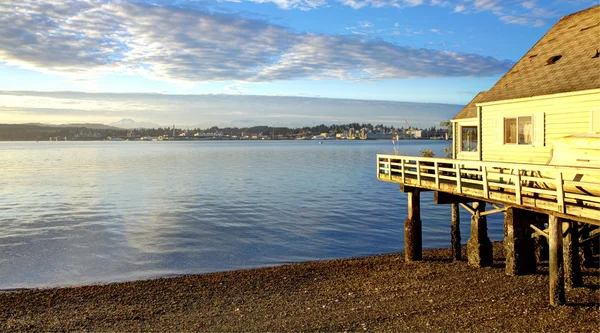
(87, 39)
(512, 12)
(459, 8)
(530, 4)
(209, 110)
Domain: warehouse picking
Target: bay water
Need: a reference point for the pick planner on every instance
(74, 213)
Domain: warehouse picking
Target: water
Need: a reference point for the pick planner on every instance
(75, 213)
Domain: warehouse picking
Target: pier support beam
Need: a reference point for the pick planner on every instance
(571, 255)
(413, 241)
(557, 279)
(587, 253)
(518, 245)
(479, 247)
(455, 233)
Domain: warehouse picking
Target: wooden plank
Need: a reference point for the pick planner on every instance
(538, 190)
(457, 178)
(582, 197)
(472, 181)
(580, 183)
(444, 198)
(538, 231)
(587, 214)
(502, 165)
(518, 198)
(486, 189)
(403, 171)
(437, 175)
(560, 194)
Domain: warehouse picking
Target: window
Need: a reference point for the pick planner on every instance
(468, 139)
(518, 130)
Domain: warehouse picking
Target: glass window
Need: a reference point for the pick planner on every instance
(518, 130)
(468, 138)
(510, 130)
(525, 130)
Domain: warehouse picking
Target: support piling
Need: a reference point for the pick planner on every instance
(413, 241)
(479, 246)
(556, 267)
(571, 256)
(518, 245)
(455, 233)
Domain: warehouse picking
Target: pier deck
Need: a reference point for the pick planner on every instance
(558, 203)
(564, 191)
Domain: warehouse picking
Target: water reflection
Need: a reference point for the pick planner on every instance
(75, 213)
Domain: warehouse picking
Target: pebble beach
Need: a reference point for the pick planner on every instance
(379, 293)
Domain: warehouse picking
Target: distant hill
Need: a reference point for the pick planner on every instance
(128, 123)
(77, 125)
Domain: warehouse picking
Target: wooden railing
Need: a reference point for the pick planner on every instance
(562, 189)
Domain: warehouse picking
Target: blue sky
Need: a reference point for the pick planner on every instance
(422, 51)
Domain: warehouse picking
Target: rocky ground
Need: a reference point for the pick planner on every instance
(381, 293)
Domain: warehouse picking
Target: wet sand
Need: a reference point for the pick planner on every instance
(380, 293)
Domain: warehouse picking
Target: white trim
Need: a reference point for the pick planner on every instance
(471, 122)
(535, 98)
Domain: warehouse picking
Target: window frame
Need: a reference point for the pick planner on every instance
(516, 118)
(461, 154)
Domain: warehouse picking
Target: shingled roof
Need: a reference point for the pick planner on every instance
(566, 59)
(470, 111)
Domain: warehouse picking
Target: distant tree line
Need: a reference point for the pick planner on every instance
(28, 132)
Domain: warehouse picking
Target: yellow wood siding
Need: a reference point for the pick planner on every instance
(564, 115)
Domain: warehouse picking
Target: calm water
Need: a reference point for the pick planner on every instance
(91, 212)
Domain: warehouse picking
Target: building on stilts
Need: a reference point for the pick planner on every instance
(528, 148)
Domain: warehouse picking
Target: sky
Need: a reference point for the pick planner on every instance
(282, 62)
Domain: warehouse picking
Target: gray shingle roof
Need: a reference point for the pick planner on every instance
(573, 44)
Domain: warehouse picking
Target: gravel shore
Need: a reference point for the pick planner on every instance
(380, 293)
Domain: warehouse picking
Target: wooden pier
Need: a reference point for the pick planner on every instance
(531, 196)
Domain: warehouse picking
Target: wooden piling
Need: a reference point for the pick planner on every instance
(571, 256)
(455, 233)
(479, 247)
(587, 254)
(557, 279)
(518, 245)
(413, 241)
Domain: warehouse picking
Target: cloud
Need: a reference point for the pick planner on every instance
(86, 39)
(511, 12)
(290, 4)
(210, 110)
(357, 4)
(530, 4)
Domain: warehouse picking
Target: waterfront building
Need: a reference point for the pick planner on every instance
(530, 148)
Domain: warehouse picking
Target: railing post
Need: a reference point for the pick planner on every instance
(458, 183)
(418, 172)
(518, 188)
(437, 175)
(403, 175)
(560, 193)
(389, 168)
(486, 191)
